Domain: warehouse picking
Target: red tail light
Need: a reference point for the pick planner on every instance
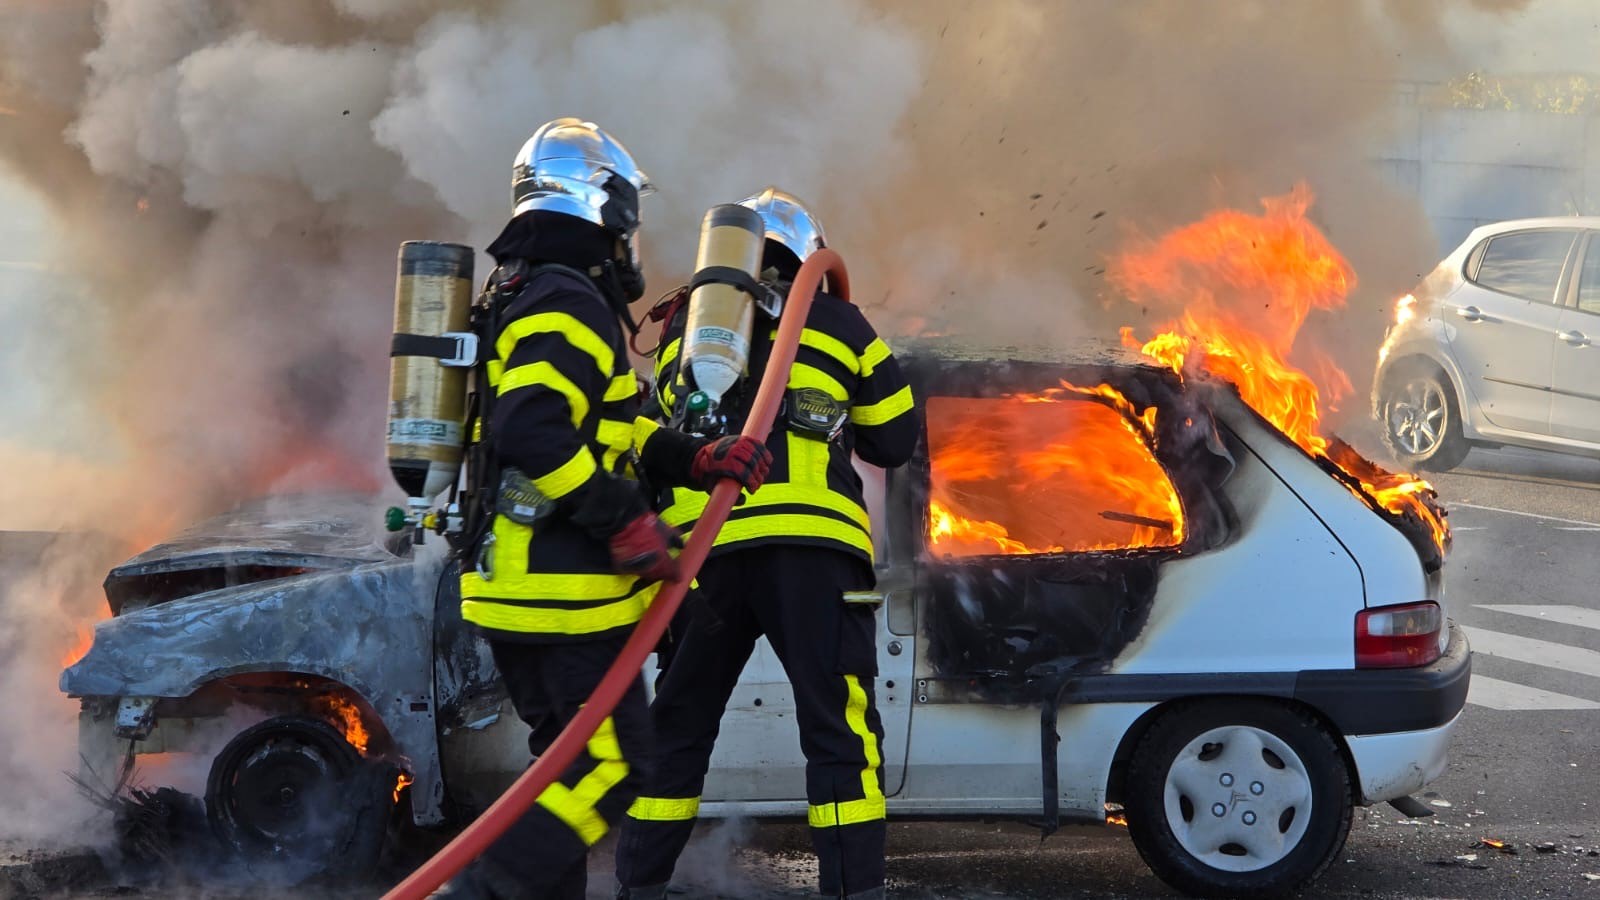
(1398, 637)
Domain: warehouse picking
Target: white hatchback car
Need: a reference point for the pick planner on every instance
(1499, 345)
(1178, 612)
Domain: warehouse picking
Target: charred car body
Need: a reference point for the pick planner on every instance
(1221, 638)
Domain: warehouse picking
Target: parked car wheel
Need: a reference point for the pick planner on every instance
(1238, 798)
(291, 793)
(1422, 419)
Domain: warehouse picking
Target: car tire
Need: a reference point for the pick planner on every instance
(295, 801)
(1421, 419)
(1238, 798)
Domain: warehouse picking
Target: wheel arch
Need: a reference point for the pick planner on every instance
(1417, 358)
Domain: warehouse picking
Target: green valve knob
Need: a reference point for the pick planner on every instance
(699, 402)
(394, 518)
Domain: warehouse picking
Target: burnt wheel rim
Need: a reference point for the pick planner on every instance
(1417, 417)
(275, 790)
(1238, 798)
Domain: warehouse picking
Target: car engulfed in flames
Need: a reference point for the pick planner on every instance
(1090, 541)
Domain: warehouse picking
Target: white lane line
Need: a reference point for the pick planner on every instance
(1565, 615)
(1534, 651)
(1518, 512)
(1497, 694)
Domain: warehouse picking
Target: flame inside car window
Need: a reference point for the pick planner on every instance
(1014, 475)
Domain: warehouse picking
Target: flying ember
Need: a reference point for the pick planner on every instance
(1240, 287)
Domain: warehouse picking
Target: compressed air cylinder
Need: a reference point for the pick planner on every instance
(716, 337)
(428, 400)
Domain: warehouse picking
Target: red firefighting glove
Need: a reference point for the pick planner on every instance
(743, 459)
(644, 547)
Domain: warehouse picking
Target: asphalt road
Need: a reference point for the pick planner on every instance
(1525, 765)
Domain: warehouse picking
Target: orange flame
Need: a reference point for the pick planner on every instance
(1116, 819)
(346, 717)
(401, 784)
(80, 644)
(1069, 477)
(1244, 285)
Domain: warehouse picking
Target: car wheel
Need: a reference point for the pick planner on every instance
(1238, 798)
(295, 800)
(1422, 420)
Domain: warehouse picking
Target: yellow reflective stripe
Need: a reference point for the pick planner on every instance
(850, 812)
(808, 462)
(885, 410)
(544, 620)
(688, 504)
(664, 385)
(665, 809)
(617, 437)
(571, 329)
(615, 433)
(830, 345)
(873, 356)
(667, 355)
(871, 806)
(795, 525)
(513, 582)
(576, 806)
(568, 476)
(622, 387)
(546, 375)
(643, 429)
(804, 376)
(496, 368)
(584, 820)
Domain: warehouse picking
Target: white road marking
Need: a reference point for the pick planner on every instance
(1534, 651)
(1518, 512)
(1503, 695)
(1565, 615)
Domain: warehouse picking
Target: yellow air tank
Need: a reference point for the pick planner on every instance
(427, 391)
(716, 337)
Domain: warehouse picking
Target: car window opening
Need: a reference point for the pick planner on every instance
(1016, 476)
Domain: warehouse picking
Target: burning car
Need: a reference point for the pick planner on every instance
(1104, 583)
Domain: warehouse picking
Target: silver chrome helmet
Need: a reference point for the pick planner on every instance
(572, 167)
(789, 223)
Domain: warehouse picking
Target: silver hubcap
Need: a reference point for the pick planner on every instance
(1238, 799)
(1417, 417)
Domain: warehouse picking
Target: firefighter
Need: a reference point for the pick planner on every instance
(573, 552)
(794, 563)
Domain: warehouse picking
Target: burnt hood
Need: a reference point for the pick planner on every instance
(264, 539)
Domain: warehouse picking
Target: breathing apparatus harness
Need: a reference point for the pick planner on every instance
(808, 412)
(491, 489)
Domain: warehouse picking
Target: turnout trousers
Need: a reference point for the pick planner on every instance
(795, 596)
(544, 853)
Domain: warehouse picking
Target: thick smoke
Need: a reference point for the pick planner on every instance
(228, 180)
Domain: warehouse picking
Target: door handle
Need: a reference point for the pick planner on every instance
(1470, 313)
(1575, 338)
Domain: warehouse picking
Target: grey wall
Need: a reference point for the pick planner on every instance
(1469, 167)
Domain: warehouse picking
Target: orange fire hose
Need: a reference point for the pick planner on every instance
(476, 838)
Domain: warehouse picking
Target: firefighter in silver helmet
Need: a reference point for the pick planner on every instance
(793, 563)
(570, 552)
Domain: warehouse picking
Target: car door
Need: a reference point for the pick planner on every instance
(1575, 394)
(757, 756)
(1502, 323)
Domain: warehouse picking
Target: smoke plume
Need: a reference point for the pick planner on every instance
(227, 182)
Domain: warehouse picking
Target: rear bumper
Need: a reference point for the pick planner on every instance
(1388, 701)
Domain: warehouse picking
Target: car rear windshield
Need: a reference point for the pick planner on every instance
(1525, 264)
(1014, 475)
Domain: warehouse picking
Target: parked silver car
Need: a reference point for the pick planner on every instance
(1497, 346)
